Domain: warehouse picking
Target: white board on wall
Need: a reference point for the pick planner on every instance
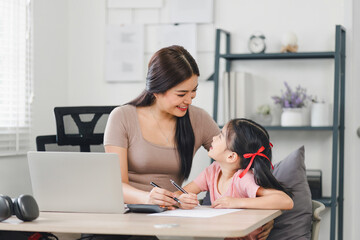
(124, 53)
(181, 34)
(135, 3)
(192, 11)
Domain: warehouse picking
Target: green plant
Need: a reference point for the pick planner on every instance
(263, 109)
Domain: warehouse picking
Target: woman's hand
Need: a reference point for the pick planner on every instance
(188, 201)
(226, 202)
(161, 197)
(263, 233)
(265, 230)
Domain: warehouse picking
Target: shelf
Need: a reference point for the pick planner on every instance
(300, 55)
(336, 200)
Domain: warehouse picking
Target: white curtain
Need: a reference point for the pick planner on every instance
(15, 76)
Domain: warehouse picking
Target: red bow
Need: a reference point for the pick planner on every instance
(252, 156)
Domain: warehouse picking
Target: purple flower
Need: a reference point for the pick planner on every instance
(290, 98)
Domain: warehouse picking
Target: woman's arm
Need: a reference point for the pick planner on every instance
(136, 196)
(265, 230)
(266, 199)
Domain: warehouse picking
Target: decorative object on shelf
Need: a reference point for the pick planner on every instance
(263, 115)
(257, 43)
(276, 111)
(307, 113)
(289, 42)
(292, 117)
(320, 114)
(293, 103)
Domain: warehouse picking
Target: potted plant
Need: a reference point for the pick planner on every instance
(292, 103)
(263, 115)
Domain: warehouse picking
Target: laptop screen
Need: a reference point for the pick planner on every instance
(76, 181)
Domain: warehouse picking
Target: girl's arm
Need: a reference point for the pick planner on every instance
(133, 195)
(188, 201)
(265, 199)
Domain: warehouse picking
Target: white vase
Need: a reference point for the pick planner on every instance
(320, 115)
(292, 117)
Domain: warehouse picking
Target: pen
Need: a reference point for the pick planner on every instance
(155, 185)
(179, 188)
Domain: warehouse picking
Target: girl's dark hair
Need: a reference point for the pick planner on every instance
(167, 68)
(246, 136)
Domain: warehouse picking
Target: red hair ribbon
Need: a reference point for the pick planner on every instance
(271, 145)
(252, 156)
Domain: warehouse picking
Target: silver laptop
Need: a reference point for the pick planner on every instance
(76, 182)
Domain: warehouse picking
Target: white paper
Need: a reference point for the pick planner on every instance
(124, 60)
(192, 11)
(182, 34)
(198, 212)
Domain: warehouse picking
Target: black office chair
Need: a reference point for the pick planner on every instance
(79, 129)
(82, 126)
(49, 143)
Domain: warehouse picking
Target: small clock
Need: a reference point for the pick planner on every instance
(257, 43)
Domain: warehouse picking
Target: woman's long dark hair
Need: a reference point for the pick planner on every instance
(167, 68)
(246, 136)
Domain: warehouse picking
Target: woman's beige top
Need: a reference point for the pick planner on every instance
(150, 162)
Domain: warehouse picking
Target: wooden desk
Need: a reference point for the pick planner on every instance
(234, 224)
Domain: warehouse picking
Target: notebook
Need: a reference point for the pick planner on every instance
(76, 182)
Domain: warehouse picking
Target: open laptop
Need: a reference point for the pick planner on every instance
(76, 182)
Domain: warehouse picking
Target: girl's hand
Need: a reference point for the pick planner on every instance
(226, 202)
(188, 201)
(161, 197)
(265, 230)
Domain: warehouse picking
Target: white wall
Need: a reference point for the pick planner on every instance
(51, 56)
(69, 70)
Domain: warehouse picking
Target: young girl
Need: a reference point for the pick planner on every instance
(240, 177)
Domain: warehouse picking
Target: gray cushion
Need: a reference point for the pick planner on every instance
(295, 223)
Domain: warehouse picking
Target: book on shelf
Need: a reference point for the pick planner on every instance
(232, 95)
(226, 100)
(237, 87)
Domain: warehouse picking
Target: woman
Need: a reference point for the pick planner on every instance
(157, 134)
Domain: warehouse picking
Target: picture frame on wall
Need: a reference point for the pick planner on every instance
(201, 11)
(124, 53)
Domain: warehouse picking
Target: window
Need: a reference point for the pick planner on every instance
(15, 76)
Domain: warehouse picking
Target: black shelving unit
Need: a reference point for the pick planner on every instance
(337, 197)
